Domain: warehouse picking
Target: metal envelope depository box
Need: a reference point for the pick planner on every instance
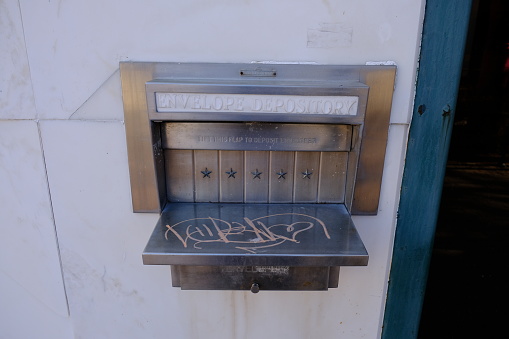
(256, 169)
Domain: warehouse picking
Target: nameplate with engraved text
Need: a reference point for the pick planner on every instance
(254, 103)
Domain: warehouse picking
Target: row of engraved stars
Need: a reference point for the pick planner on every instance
(256, 174)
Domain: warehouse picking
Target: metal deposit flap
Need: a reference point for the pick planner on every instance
(215, 234)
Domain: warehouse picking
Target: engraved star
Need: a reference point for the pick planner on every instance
(306, 174)
(281, 174)
(256, 174)
(231, 173)
(206, 173)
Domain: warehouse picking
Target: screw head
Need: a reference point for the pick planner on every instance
(255, 288)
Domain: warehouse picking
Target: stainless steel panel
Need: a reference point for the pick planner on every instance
(256, 177)
(180, 169)
(332, 177)
(231, 180)
(257, 136)
(206, 176)
(147, 192)
(146, 183)
(255, 235)
(268, 278)
(282, 166)
(333, 276)
(374, 139)
(175, 275)
(307, 171)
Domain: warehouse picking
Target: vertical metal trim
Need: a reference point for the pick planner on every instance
(244, 183)
(281, 189)
(180, 178)
(269, 174)
(145, 193)
(306, 186)
(159, 162)
(206, 183)
(220, 183)
(333, 168)
(351, 167)
(256, 186)
(193, 177)
(318, 190)
(232, 185)
(374, 138)
(294, 179)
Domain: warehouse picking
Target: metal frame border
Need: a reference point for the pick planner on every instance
(146, 163)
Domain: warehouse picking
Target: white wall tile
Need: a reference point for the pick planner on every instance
(16, 97)
(111, 294)
(70, 57)
(104, 104)
(27, 234)
(22, 315)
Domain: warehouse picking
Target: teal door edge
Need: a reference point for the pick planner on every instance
(443, 40)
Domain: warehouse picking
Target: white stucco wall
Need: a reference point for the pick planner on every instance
(70, 263)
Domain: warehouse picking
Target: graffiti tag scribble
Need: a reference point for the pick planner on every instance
(250, 235)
